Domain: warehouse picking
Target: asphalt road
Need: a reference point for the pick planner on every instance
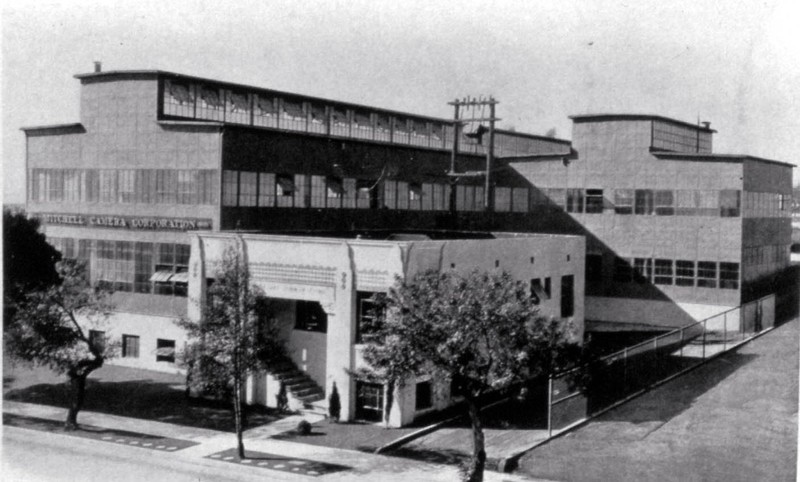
(734, 419)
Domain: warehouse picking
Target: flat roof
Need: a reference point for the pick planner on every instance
(152, 74)
(697, 156)
(392, 235)
(635, 117)
(72, 127)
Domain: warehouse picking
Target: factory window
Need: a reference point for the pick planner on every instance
(237, 108)
(265, 112)
(729, 203)
(114, 265)
(594, 268)
(441, 197)
(108, 186)
(317, 191)
(502, 199)
(366, 194)
(390, 194)
(130, 346)
(427, 197)
(73, 180)
(143, 267)
(302, 191)
(248, 188)
(126, 183)
(402, 195)
(335, 192)
(574, 200)
(367, 315)
(166, 186)
(292, 115)
(685, 203)
(266, 189)
(519, 200)
(623, 201)
(706, 274)
(663, 272)
(414, 196)
(684, 273)
(178, 99)
(643, 269)
(644, 201)
(187, 187)
(707, 202)
(558, 197)
(284, 190)
(729, 275)
(165, 350)
(171, 275)
(210, 105)
(424, 395)
(567, 296)
(665, 203)
(309, 316)
(623, 272)
(594, 201)
(230, 188)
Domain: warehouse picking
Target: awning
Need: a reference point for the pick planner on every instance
(181, 277)
(161, 276)
(285, 183)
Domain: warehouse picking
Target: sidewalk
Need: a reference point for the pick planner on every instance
(360, 466)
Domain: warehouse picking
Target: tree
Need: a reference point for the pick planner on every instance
(334, 404)
(481, 330)
(48, 329)
(235, 337)
(29, 261)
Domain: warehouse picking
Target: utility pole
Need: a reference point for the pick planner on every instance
(458, 121)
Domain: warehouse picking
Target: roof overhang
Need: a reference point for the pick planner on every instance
(701, 157)
(55, 129)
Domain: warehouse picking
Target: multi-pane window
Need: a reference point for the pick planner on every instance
(166, 186)
(414, 196)
(729, 275)
(114, 264)
(187, 187)
(266, 189)
(318, 191)
(73, 182)
(284, 190)
(171, 275)
(402, 195)
(729, 203)
(130, 346)
(302, 190)
(502, 199)
(685, 203)
(706, 274)
(265, 111)
(366, 315)
(519, 199)
(143, 267)
(248, 188)
(664, 203)
(557, 196)
(684, 273)
(642, 268)
(574, 200)
(97, 339)
(108, 186)
(237, 108)
(366, 194)
(623, 201)
(427, 197)
(707, 202)
(210, 103)
(126, 179)
(230, 188)
(178, 99)
(644, 201)
(594, 201)
(540, 291)
(334, 190)
(663, 272)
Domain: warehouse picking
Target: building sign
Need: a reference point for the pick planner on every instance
(126, 222)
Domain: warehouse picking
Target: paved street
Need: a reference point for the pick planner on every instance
(734, 419)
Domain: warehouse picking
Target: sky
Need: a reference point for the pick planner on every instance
(734, 64)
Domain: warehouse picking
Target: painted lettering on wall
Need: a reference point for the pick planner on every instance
(127, 222)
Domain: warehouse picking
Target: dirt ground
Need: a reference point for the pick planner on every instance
(734, 419)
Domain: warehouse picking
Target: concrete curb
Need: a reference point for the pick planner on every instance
(509, 463)
(426, 430)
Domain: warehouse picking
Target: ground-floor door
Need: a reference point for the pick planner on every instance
(369, 401)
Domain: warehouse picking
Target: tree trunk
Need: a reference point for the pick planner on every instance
(237, 415)
(78, 394)
(478, 462)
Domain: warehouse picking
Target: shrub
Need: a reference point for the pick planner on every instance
(303, 427)
(334, 404)
(282, 399)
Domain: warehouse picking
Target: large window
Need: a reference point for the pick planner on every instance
(594, 201)
(574, 200)
(130, 346)
(684, 273)
(665, 203)
(540, 291)
(729, 203)
(166, 186)
(366, 315)
(248, 188)
(663, 272)
(643, 268)
(623, 201)
(594, 268)
(644, 201)
(502, 199)
(187, 187)
(284, 190)
(334, 191)
(230, 188)
(623, 272)
(729, 275)
(171, 275)
(266, 189)
(706, 274)
(97, 339)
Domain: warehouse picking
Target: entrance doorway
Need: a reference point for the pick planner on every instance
(369, 401)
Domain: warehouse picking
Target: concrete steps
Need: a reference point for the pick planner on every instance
(298, 384)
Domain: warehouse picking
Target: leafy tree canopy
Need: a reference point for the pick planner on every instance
(29, 261)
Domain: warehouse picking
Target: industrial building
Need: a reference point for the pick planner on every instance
(161, 161)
